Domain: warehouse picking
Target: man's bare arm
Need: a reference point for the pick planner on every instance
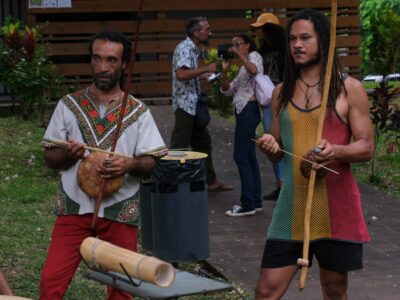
(136, 166)
(64, 158)
(143, 166)
(5, 288)
(361, 148)
(183, 74)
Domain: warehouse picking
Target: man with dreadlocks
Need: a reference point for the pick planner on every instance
(338, 228)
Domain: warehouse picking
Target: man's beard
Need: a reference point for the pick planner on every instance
(206, 42)
(313, 61)
(109, 84)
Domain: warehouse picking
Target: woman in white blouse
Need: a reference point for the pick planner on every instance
(248, 117)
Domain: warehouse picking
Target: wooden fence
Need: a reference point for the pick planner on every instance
(68, 31)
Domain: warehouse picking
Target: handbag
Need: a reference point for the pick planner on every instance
(263, 87)
(202, 116)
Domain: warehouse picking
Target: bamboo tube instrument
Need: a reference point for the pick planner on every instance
(110, 257)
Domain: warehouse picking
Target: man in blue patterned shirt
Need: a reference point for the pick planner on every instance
(185, 94)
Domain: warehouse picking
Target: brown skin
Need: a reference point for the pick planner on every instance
(5, 288)
(200, 36)
(107, 66)
(353, 107)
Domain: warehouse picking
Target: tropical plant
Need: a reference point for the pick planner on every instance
(380, 46)
(393, 131)
(26, 69)
(221, 103)
(385, 118)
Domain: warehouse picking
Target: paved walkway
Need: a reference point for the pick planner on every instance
(237, 243)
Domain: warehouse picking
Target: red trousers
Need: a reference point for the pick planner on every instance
(63, 258)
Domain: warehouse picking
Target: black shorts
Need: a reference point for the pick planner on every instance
(335, 256)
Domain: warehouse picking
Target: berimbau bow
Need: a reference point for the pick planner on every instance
(303, 262)
(127, 88)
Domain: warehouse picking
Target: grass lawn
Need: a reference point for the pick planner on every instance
(27, 188)
(371, 85)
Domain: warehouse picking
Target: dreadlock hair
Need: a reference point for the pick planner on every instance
(291, 73)
(274, 39)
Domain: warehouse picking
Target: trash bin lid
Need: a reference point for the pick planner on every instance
(182, 156)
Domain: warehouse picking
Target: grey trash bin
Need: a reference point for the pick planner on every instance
(146, 227)
(178, 208)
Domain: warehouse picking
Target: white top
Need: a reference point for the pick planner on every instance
(241, 86)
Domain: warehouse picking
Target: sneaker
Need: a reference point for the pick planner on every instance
(258, 208)
(238, 211)
(273, 196)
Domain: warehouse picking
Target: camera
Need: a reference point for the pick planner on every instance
(223, 52)
(213, 77)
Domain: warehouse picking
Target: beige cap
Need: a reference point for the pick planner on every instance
(264, 19)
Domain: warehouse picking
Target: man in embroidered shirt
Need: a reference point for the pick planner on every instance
(89, 116)
(185, 94)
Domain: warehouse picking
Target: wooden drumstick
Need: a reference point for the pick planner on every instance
(62, 143)
(305, 159)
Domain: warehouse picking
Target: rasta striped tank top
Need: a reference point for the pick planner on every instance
(336, 209)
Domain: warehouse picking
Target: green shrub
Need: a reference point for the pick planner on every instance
(26, 69)
(222, 104)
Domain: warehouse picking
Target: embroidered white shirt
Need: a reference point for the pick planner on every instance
(140, 137)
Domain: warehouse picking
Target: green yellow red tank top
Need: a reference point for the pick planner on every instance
(336, 211)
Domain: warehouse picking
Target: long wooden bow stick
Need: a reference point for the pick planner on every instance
(127, 89)
(303, 262)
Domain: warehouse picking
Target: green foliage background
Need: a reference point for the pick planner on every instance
(26, 69)
(380, 29)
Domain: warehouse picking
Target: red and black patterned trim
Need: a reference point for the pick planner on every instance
(98, 131)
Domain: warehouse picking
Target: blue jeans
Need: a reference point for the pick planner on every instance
(266, 121)
(245, 155)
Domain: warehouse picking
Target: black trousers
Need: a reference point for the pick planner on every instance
(185, 135)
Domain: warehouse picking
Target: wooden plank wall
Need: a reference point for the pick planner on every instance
(68, 31)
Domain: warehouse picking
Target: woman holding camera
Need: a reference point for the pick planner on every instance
(248, 117)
